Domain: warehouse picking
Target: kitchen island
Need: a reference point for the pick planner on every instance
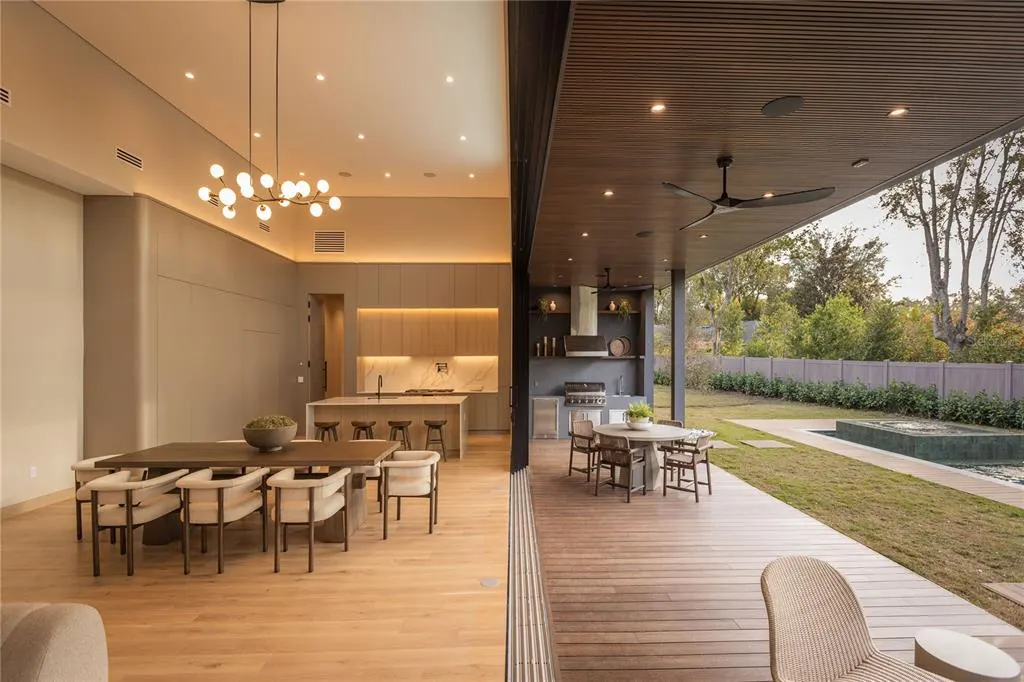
(346, 409)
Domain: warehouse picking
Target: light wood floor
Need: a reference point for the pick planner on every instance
(797, 430)
(411, 608)
(666, 589)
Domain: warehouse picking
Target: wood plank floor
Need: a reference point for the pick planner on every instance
(797, 430)
(666, 589)
(411, 608)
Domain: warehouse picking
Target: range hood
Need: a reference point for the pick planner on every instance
(583, 340)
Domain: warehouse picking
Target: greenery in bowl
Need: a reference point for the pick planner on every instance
(625, 308)
(639, 412)
(273, 421)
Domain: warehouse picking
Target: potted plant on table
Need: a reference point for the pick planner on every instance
(270, 433)
(639, 416)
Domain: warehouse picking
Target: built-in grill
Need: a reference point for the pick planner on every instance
(585, 394)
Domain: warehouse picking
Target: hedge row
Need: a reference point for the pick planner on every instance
(909, 399)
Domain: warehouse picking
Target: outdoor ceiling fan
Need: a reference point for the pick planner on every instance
(727, 204)
(607, 286)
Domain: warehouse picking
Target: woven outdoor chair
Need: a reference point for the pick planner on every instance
(817, 630)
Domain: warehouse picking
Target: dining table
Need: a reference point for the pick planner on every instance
(648, 439)
(300, 455)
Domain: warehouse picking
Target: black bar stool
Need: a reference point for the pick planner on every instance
(363, 430)
(435, 435)
(326, 430)
(400, 431)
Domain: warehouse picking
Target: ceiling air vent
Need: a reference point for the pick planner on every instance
(214, 200)
(5, 97)
(264, 226)
(129, 158)
(329, 242)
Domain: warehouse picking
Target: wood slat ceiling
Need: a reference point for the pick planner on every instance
(958, 66)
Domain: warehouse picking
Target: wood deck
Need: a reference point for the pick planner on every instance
(666, 589)
(797, 430)
(410, 608)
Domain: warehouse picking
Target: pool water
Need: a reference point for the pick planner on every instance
(1003, 472)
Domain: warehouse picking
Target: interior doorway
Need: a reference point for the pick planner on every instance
(326, 346)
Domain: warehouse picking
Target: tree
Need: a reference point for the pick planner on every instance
(918, 343)
(779, 333)
(974, 203)
(882, 332)
(826, 264)
(835, 331)
(731, 329)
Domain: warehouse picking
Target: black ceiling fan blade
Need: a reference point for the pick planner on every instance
(790, 199)
(676, 189)
(698, 221)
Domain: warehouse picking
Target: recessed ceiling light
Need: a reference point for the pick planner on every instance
(472, 175)
(256, 135)
(361, 136)
(344, 174)
(860, 163)
(898, 112)
(320, 77)
(584, 234)
(301, 174)
(767, 195)
(608, 193)
(387, 175)
(570, 260)
(189, 75)
(703, 236)
(657, 108)
(644, 234)
(449, 79)
(783, 106)
(559, 277)
(462, 138)
(664, 260)
(430, 174)
(639, 276)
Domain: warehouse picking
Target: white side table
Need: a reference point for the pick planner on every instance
(962, 658)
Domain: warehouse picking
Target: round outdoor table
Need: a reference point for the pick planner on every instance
(962, 658)
(649, 438)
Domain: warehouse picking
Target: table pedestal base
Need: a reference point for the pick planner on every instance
(333, 529)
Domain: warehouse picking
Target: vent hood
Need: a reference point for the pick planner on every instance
(583, 339)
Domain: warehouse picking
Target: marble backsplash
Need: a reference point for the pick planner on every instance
(465, 373)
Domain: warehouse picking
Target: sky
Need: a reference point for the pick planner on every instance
(906, 255)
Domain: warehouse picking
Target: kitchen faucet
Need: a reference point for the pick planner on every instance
(380, 385)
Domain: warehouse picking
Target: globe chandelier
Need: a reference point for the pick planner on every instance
(288, 192)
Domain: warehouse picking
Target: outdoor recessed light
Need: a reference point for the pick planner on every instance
(570, 260)
(608, 193)
(783, 106)
(387, 175)
(703, 236)
(767, 195)
(657, 108)
(189, 75)
(472, 175)
(361, 136)
(664, 260)
(462, 138)
(644, 234)
(449, 79)
(256, 135)
(320, 77)
(898, 112)
(860, 163)
(584, 234)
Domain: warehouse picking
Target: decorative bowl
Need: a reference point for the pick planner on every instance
(270, 440)
(640, 425)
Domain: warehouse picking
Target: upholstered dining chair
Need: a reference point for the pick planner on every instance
(411, 473)
(371, 473)
(118, 502)
(207, 501)
(817, 631)
(581, 442)
(87, 470)
(614, 452)
(683, 456)
(304, 502)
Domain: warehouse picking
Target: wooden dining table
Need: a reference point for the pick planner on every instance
(299, 455)
(649, 439)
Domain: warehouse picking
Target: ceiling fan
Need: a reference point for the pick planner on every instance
(727, 204)
(607, 286)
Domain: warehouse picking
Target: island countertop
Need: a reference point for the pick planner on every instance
(389, 401)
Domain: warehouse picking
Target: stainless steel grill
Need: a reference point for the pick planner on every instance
(585, 394)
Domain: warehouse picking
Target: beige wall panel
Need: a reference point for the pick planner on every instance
(368, 276)
(440, 285)
(487, 286)
(390, 285)
(41, 306)
(175, 349)
(414, 286)
(464, 276)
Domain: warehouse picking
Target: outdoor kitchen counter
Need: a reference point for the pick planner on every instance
(413, 408)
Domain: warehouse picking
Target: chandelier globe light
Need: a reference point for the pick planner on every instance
(286, 193)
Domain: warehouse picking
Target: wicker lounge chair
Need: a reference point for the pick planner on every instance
(817, 629)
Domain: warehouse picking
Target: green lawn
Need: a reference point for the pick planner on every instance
(956, 540)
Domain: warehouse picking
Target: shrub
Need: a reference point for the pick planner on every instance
(901, 398)
(662, 377)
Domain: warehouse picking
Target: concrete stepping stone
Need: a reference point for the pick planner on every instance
(765, 444)
(722, 445)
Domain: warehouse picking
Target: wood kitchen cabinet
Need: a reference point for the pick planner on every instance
(391, 330)
(369, 324)
(415, 332)
(428, 332)
(441, 332)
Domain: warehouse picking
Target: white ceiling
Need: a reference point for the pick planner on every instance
(384, 63)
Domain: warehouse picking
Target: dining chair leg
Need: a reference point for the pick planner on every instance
(124, 541)
(572, 451)
(94, 520)
(344, 522)
(311, 525)
(437, 478)
(202, 540)
(597, 476)
(113, 536)
(284, 537)
(220, 530)
(185, 528)
(664, 476)
(78, 512)
(430, 514)
(696, 485)
(277, 541)
(398, 517)
(265, 520)
(707, 467)
(385, 510)
(629, 483)
(130, 537)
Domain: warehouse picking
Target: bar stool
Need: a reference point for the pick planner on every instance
(363, 430)
(326, 430)
(435, 435)
(401, 428)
